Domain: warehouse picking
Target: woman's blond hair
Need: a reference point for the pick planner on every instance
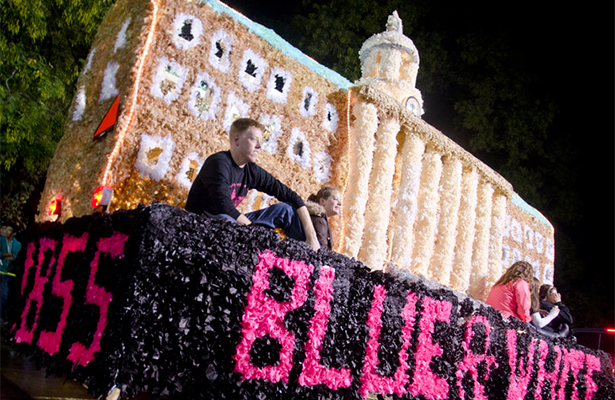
(519, 270)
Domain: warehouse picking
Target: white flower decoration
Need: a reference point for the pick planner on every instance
(252, 70)
(79, 104)
(235, 108)
(279, 85)
(154, 156)
(220, 50)
(322, 166)
(189, 169)
(273, 127)
(307, 107)
(187, 31)
(204, 97)
(108, 89)
(120, 39)
(298, 148)
(331, 118)
(169, 80)
(516, 232)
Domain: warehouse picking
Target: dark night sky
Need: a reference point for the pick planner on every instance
(571, 50)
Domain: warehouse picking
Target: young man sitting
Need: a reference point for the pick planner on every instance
(226, 177)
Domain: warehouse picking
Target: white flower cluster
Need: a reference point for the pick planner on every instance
(154, 156)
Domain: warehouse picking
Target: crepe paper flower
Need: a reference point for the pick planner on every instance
(191, 165)
(35, 297)
(322, 166)
(62, 289)
(88, 63)
(98, 296)
(169, 80)
(220, 50)
(187, 31)
(516, 230)
(331, 118)
(313, 372)
(471, 362)
(252, 69)
(425, 381)
(235, 108)
(80, 102)
(371, 381)
(298, 148)
(154, 156)
(273, 128)
(309, 98)
(108, 89)
(120, 39)
(278, 85)
(204, 97)
(264, 315)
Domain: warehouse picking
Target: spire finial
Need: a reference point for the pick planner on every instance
(394, 23)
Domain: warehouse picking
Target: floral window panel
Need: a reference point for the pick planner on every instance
(298, 148)
(169, 79)
(279, 85)
(309, 99)
(331, 118)
(235, 108)
(154, 156)
(187, 31)
(204, 97)
(191, 165)
(252, 70)
(322, 167)
(273, 127)
(220, 50)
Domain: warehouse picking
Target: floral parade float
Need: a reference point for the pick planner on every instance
(151, 298)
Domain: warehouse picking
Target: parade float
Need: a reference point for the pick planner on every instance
(126, 292)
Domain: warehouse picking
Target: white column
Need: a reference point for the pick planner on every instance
(498, 218)
(462, 266)
(374, 249)
(360, 166)
(427, 215)
(441, 263)
(406, 207)
(480, 257)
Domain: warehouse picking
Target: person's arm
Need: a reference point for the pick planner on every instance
(522, 295)
(308, 228)
(539, 321)
(321, 228)
(564, 313)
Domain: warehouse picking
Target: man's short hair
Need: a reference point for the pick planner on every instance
(240, 125)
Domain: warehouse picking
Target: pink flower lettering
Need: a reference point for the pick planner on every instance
(264, 315)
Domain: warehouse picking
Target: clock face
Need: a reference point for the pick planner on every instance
(412, 104)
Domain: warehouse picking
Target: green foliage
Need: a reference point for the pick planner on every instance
(43, 46)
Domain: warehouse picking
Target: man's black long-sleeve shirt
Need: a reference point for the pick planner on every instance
(221, 185)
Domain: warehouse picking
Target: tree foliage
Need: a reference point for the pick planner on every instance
(43, 46)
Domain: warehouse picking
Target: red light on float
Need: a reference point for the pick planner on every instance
(610, 330)
(55, 208)
(102, 196)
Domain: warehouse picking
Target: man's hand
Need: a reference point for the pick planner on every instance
(243, 220)
(313, 243)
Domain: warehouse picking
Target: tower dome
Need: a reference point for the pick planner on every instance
(390, 62)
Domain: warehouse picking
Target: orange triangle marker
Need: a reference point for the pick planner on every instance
(109, 120)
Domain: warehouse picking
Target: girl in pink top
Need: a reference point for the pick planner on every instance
(511, 293)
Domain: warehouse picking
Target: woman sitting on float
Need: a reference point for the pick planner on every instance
(322, 206)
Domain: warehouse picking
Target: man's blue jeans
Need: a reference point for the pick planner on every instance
(280, 215)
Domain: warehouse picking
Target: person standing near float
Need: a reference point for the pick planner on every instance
(9, 247)
(227, 176)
